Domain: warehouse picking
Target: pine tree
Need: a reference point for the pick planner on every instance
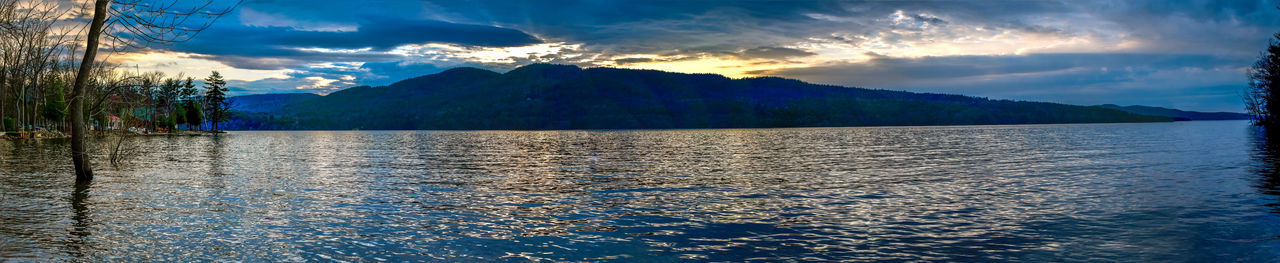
(215, 98)
(188, 90)
(55, 104)
(167, 95)
(180, 114)
(195, 116)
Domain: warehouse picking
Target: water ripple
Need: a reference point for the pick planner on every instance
(1199, 191)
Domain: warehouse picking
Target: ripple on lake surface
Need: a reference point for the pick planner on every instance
(1199, 191)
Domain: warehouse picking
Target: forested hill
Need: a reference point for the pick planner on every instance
(268, 102)
(544, 96)
(1179, 114)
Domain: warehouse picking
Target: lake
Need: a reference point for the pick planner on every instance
(1182, 191)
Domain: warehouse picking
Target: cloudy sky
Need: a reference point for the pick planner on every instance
(1185, 54)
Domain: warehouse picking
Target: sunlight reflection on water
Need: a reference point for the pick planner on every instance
(1140, 192)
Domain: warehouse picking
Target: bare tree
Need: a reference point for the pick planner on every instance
(31, 50)
(79, 157)
(134, 23)
(119, 147)
(1261, 98)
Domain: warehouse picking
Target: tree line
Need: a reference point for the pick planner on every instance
(149, 100)
(51, 76)
(37, 58)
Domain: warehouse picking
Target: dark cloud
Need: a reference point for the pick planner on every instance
(345, 75)
(613, 28)
(278, 47)
(632, 60)
(1180, 53)
(692, 27)
(927, 19)
(774, 53)
(385, 73)
(292, 59)
(1151, 79)
(1238, 28)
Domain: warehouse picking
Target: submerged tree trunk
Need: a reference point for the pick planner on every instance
(79, 156)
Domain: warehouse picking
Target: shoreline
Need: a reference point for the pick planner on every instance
(740, 128)
(47, 134)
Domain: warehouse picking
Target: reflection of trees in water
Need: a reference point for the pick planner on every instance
(1266, 155)
(215, 179)
(216, 151)
(34, 156)
(32, 193)
(80, 221)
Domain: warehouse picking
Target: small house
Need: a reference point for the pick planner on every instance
(114, 123)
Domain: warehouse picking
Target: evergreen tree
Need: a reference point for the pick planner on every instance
(215, 98)
(188, 90)
(55, 104)
(9, 124)
(180, 114)
(167, 95)
(195, 116)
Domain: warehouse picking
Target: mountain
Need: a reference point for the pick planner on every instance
(1178, 114)
(545, 96)
(268, 102)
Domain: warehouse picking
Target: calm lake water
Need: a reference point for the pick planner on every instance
(1185, 191)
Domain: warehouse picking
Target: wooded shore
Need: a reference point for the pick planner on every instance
(48, 134)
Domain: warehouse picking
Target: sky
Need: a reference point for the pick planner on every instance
(1189, 55)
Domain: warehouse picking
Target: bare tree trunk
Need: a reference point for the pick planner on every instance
(79, 156)
(22, 106)
(4, 92)
(151, 111)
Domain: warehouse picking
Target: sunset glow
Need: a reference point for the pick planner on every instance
(271, 47)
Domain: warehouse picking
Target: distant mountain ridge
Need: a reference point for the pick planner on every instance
(546, 96)
(268, 102)
(1178, 114)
